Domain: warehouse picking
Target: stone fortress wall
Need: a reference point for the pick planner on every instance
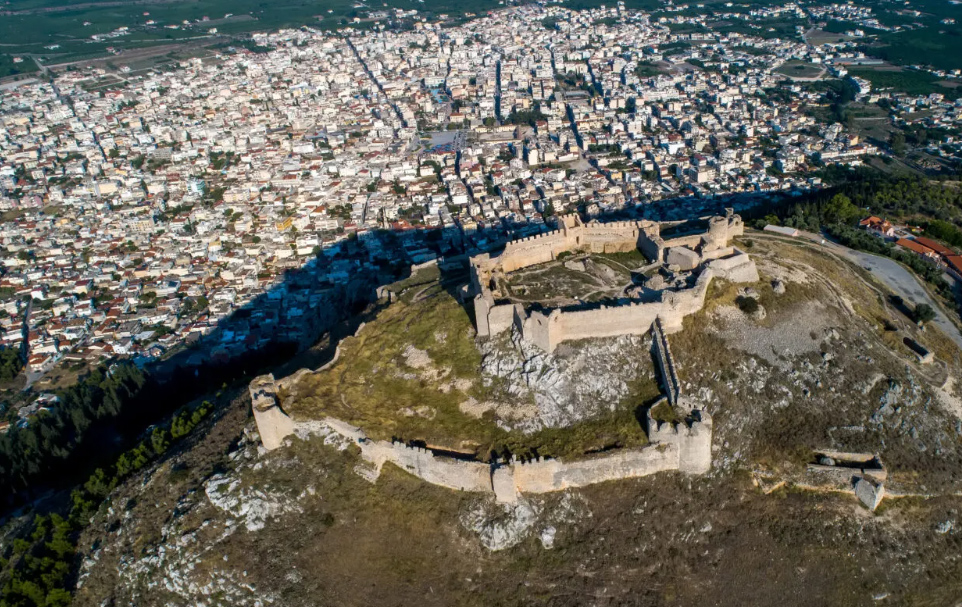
(685, 447)
(707, 252)
(661, 352)
(272, 423)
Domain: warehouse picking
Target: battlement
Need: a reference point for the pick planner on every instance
(547, 329)
(616, 224)
(412, 448)
(669, 450)
(536, 237)
(692, 438)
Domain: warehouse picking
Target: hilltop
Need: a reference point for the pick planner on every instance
(823, 367)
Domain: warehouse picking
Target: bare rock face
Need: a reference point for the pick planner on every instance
(575, 265)
(252, 507)
(500, 526)
(572, 384)
(778, 287)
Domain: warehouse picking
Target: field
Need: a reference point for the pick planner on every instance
(33, 26)
(906, 81)
(819, 37)
(801, 69)
(9, 68)
(786, 29)
(870, 122)
(58, 31)
(937, 45)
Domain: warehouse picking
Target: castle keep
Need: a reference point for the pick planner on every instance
(706, 255)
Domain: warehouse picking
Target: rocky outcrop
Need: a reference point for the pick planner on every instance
(869, 493)
(565, 387)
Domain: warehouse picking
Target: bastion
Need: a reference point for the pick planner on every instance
(706, 255)
(272, 423)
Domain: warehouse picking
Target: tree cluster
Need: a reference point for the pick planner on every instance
(859, 193)
(37, 569)
(11, 363)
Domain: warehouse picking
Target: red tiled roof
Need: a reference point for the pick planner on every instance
(914, 246)
(955, 262)
(934, 245)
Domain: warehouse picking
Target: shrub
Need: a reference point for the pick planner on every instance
(748, 305)
(923, 313)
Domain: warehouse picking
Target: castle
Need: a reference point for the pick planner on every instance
(706, 254)
(678, 442)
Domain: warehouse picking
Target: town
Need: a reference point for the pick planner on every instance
(140, 216)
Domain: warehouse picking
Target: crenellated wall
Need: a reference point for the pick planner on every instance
(572, 235)
(685, 447)
(547, 475)
(692, 438)
(547, 329)
(424, 464)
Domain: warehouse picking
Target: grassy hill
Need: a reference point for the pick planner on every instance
(823, 367)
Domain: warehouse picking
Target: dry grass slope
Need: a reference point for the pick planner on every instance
(374, 386)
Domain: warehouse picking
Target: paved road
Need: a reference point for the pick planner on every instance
(907, 286)
(903, 282)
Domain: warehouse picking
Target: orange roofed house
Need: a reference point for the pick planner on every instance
(938, 247)
(878, 225)
(918, 248)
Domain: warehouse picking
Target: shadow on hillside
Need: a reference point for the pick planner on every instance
(296, 322)
(312, 306)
